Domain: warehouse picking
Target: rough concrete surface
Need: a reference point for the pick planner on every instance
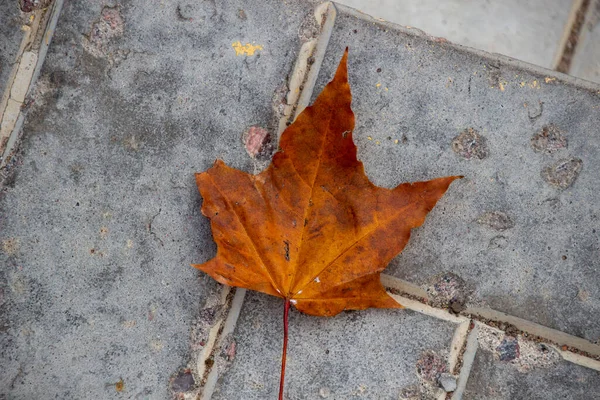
(10, 39)
(527, 30)
(413, 96)
(100, 213)
(369, 354)
(492, 379)
(586, 61)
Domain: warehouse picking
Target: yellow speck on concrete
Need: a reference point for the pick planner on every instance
(378, 84)
(534, 85)
(386, 89)
(156, 345)
(245, 49)
(369, 137)
(396, 141)
(128, 324)
(501, 85)
(548, 79)
(522, 84)
(377, 142)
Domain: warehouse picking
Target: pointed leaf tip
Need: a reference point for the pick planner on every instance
(342, 70)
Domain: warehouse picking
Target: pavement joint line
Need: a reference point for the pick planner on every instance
(426, 309)
(403, 286)
(302, 68)
(575, 6)
(30, 59)
(459, 341)
(202, 370)
(7, 125)
(579, 359)
(327, 12)
(228, 328)
(591, 351)
(468, 357)
(571, 35)
(25, 42)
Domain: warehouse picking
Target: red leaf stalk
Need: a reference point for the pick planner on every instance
(286, 311)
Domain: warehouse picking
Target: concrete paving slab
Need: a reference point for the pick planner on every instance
(10, 39)
(586, 61)
(520, 231)
(366, 354)
(100, 213)
(495, 379)
(530, 31)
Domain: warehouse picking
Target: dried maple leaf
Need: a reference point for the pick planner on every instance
(312, 229)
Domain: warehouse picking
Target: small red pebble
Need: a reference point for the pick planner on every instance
(256, 139)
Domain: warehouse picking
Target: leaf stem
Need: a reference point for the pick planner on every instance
(286, 309)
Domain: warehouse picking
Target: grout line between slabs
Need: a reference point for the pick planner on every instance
(575, 6)
(591, 351)
(467, 363)
(305, 72)
(459, 341)
(24, 75)
(571, 35)
(228, 329)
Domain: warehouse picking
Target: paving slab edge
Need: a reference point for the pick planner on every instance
(509, 61)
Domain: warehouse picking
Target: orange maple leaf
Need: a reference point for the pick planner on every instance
(311, 228)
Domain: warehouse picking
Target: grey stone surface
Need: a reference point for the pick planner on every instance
(527, 30)
(100, 213)
(364, 354)
(412, 96)
(491, 379)
(10, 39)
(586, 61)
